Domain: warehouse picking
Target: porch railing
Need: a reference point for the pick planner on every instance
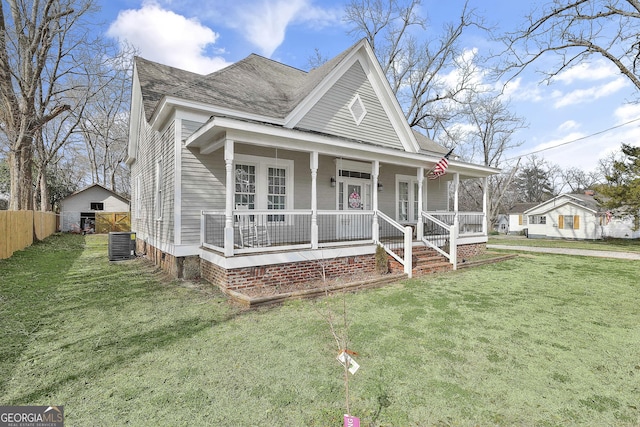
(397, 240)
(468, 222)
(266, 230)
(440, 235)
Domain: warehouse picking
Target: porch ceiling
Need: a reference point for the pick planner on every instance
(211, 136)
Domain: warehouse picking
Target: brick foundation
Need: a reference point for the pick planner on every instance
(468, 251)
(181, 267)
(286, 274)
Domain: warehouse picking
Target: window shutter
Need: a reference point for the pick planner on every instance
(519, 219)
(560, 221)
(576, 222)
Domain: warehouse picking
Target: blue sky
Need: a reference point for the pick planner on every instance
(204, 36)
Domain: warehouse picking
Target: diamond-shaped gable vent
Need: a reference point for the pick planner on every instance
(357, 109)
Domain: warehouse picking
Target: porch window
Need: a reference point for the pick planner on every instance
(403, 201)
(407, 191)
(263, 184)
(276, 197)
(245, 195)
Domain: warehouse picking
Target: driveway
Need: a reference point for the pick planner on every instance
(567, 251)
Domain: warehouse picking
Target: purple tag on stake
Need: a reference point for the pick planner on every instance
(350, 421)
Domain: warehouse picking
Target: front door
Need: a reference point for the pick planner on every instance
(354, 195)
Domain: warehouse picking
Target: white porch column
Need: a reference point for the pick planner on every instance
(230, 191)
(453, 244)
(313, 163)
(485, 201)
(375, 170)
(421, 207)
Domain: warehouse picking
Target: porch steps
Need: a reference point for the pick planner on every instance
(425, 261)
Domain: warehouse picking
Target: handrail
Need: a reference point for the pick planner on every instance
(399, 245)
(442, 237)
(392, 222)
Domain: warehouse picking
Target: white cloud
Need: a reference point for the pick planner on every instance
(627, 113)
(264, 23)
(590, 71)
(590, 94)
(568, 125)
(166, 37)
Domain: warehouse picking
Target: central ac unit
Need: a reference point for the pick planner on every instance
(122, 245)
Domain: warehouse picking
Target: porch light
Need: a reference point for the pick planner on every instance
(333, 181)
(380, 186)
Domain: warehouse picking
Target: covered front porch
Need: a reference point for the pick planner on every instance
(302, 199)
(329, 234)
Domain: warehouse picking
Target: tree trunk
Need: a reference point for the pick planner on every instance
(45, 206)
(20, 170)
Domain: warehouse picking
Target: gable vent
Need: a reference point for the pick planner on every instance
(357, 109)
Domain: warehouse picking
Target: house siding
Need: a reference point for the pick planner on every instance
(588, 223)
(152, 146)
(332, 115)
(202, 184)
(437, 194)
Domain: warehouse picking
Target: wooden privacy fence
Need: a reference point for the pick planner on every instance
(19, 229)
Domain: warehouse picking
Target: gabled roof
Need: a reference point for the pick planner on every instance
(96, 186)
(253, 85)
(519, 208)
(428, 145)
(582, 200)
(257, 88)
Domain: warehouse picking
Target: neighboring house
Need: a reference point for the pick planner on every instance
(568, 216)
(502, 224)
(268, 175)
(94, 209)
(517, 219)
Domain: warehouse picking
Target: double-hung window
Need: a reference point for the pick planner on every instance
(537, 219)
(569, 222)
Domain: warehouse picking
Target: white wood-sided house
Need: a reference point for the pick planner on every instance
(577, 216)
(81, 211)
(518, 221)
(269, 174)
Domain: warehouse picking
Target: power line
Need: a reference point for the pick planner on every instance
(575, 140)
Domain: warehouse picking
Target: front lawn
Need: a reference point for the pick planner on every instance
(539, 340)
(620, 245)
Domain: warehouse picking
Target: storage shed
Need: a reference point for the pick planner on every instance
(95, 209)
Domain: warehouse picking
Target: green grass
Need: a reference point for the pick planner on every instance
(539, 340)
(622, 245)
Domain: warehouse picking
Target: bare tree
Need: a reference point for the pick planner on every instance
(37, 44)
(490, 132)
(575, 31)
(104, 123)
(577, 180)
(416, 68)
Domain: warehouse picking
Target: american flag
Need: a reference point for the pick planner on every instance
(441, 167)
